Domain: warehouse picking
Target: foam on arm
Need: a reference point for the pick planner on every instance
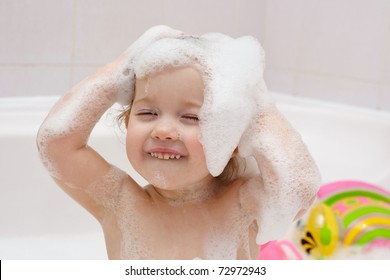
(62, 138)
(290, 177)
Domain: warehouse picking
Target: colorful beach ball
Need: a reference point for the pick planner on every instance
(363, 209)
(350, 213)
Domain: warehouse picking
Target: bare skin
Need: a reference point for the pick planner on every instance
(184, 213)
(164, 229)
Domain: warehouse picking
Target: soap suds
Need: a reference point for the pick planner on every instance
(232, 71)
(106, 191)
(234, 94)
(159, 180)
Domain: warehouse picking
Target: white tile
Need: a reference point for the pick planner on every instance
(386, 60)
(386, 71)
(283, 33)
(37, 31)
(203, 16)
(106, 30)
(251, 18)
(78, 73)
(232, 17)
(352, 92)
(384, 103)
(110, 27)
(345, 38)
(33, 81)
(280, 81)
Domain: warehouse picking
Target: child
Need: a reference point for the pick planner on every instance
(197, 115)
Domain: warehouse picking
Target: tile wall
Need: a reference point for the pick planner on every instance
(336, 50)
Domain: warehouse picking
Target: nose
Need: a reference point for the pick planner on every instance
(165, 131)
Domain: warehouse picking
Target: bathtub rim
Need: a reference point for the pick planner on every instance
(39, 102)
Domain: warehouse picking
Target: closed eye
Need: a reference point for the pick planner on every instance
(191, 118)
(146, 115)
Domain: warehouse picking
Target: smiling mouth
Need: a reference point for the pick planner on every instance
(165, 156)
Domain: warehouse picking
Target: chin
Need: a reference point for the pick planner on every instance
(162, 180)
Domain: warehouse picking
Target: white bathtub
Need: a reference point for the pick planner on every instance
(39, 221)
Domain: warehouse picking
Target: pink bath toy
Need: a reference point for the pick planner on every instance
(279, 250)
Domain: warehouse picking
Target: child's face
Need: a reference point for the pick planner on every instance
(163, 129)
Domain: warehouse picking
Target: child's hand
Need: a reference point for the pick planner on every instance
(121, 70)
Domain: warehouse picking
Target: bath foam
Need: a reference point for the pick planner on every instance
(44, 155)
(234, 92)
(79, 111)
(232, 71)
(135, 50)
(223, 242)
(106, 190)
(294, 187)
(220, 247)
(86, 102)
(132, 246)
(159, 180)
(234, 97)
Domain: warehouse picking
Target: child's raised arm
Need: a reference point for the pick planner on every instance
(289, 175)
(62, 138)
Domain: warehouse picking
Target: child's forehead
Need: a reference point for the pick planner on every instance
(185, 78)
(176, 82)
(186, 72)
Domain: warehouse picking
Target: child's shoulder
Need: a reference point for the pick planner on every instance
(248, 191)
(131, 186)
(114, 185)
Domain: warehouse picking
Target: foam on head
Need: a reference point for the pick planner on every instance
(232, 71)
(234, 91)
(234, 95)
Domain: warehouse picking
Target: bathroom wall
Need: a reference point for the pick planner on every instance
(337, 50)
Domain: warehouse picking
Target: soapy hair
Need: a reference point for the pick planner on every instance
(200, 53)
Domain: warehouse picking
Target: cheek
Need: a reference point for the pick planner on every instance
(135, 139)
(197, 151)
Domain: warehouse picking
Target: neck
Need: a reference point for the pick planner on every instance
(198, 192)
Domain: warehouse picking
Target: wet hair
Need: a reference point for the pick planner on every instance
(231, 171)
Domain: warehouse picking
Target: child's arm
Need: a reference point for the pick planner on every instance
(62, 138)
(289, 175)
